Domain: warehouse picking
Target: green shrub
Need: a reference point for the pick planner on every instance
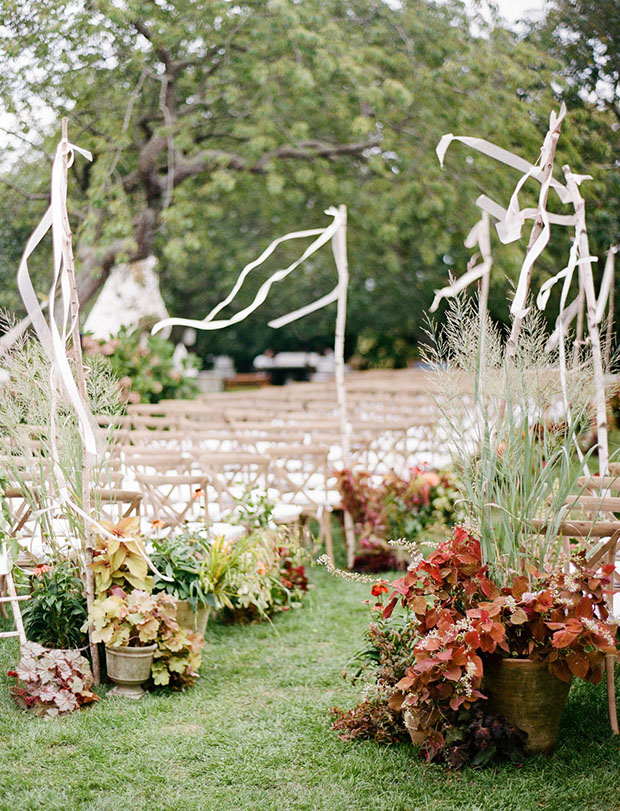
(144, 366)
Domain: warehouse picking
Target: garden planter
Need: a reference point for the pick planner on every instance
(528, 695)
(129, 668)
(194, 620)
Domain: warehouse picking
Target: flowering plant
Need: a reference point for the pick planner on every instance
(51, 682)
(396, 507)
(56, 611)
(144, 366)
(461, 620)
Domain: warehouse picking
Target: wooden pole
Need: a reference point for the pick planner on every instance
(339, 246)
(81, 384)
(610, 308)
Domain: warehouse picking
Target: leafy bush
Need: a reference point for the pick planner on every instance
(180, 557)
(247, 578)
(416, 508)
(51, 682)
(144, 366)
(56, 611)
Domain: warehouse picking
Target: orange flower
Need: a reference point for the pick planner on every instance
(378, 589)
(198, 493)
(38, 570)
(158, 524)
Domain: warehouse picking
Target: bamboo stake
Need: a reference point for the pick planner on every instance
(339, 247)
(537, 228)
(81, 384)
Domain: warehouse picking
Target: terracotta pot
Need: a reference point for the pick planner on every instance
(194, 620)
(528, 695)
(129, 668)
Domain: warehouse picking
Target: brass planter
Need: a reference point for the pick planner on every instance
(528, 695)
(129, 668)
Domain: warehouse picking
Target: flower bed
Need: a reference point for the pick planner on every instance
(414, 509)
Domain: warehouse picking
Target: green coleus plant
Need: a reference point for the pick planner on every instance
(51, 682)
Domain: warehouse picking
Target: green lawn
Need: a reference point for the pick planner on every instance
(255, 734)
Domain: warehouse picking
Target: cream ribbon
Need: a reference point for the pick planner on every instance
(52, 339)
(511, 220)
(323, 235)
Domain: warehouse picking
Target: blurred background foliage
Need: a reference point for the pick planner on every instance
(216, 127)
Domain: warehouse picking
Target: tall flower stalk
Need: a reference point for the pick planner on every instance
(509, 433)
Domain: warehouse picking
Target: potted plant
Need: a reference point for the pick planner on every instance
(498, 611)
(128, 625)
(140, 632)
(51, 683)
(180, 556)
(441, 661)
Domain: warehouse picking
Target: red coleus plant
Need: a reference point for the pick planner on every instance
(463, 618)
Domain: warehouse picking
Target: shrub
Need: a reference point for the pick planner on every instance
(56, 611)
(144, 366)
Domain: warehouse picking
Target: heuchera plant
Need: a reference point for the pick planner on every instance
(51, 682)
(462, 619)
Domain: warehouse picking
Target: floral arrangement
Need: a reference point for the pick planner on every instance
(125, 612)
(143, 365)
(51, 683)
(458, 620)
(418, 507)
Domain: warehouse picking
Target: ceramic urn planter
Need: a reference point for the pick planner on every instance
(129, 668)
(194, 620)
(528, 695)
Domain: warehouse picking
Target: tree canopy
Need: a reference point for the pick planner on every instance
(216, 127)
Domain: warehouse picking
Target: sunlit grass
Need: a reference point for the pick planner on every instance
(255, 734)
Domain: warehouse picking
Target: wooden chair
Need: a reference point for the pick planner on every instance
(600, 531)
(231, 474)
(301, 476)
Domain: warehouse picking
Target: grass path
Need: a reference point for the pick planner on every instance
(254, 734)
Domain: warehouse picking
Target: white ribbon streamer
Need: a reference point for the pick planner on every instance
(52, 340)
(478, 234)
(608, 274)
(207, 323)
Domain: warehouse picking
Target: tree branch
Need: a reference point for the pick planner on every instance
(26, 194)
(304, 150)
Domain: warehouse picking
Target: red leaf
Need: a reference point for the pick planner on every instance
(452, 673)
(578, 664)
(387, 611)
(488, 588)
(562, 639)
